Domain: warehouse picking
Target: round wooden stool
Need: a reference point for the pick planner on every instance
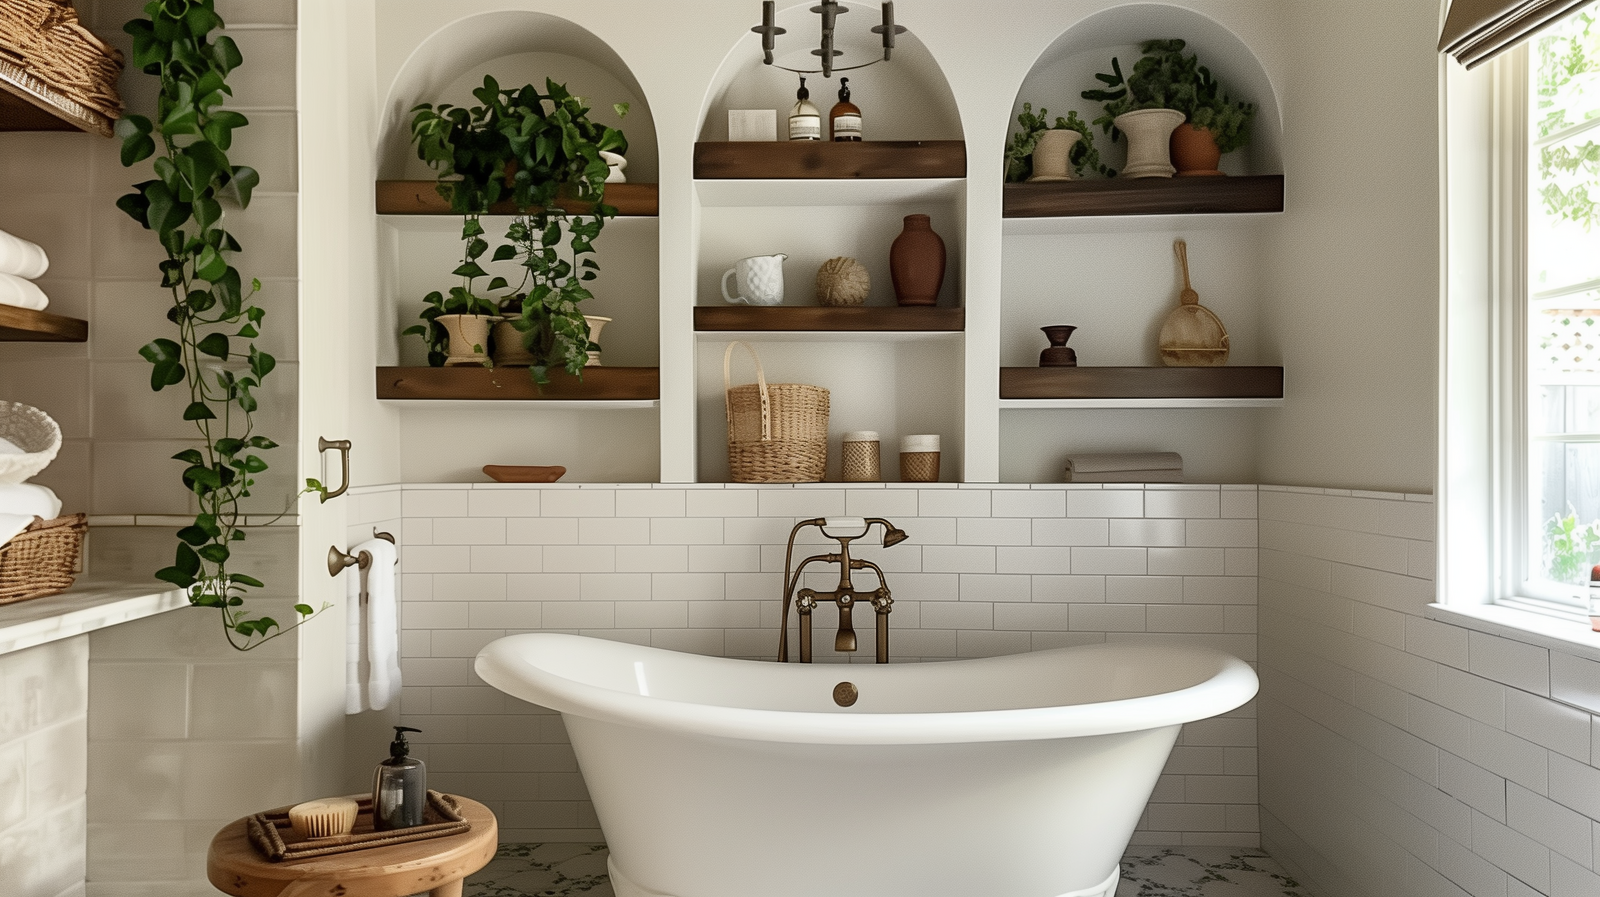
(436, 865)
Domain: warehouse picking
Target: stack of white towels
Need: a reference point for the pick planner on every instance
(1125, 467)
(21, 263)
(20, 503)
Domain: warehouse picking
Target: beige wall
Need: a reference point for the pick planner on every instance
(44, 702)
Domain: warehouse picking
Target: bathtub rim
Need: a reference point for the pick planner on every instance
(502, 664)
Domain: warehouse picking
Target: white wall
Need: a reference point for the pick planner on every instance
(44, 702)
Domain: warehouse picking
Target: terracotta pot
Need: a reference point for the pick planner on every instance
(595, 323)
(1052, 155)
(916, 263)
(1149, 132)
(508, 348)
(469, 338)
(1194, 152)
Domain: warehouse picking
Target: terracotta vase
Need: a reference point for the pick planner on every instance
(1052, 155)
(1194, 152)
(469, 338)
(916, 263)
(1149, 134)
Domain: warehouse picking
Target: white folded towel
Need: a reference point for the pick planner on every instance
(29, 500)
(22, 293)
(1101, 462)
(19, 257)
(372, 631)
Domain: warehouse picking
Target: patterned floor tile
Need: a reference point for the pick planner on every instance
(579, 870)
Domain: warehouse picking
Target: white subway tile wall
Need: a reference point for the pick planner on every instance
(1401, 755)
(986, 571)
(44, 703)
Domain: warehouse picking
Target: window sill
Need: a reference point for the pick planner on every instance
(1567, 633)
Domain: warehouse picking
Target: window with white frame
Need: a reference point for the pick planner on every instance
(1559, 519)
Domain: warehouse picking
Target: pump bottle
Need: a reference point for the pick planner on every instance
(805, 120)
(399, 786)
(844, 120)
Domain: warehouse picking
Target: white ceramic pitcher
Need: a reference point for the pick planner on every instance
(759, 280)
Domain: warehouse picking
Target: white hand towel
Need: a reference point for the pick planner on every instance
(22, 293)
(372, 634)
(19, 257)
(12, 525)
(29, 500)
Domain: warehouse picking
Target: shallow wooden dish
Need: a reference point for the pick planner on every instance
(513, 473)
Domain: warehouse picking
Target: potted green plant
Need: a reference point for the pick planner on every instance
(1046, 151)
(456, 324)
(543, 150)
(1194, 112)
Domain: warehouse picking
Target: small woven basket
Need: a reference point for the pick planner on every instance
(42, 560)
(777, 432)
(859, 460)
(43, 44)
(919, 467)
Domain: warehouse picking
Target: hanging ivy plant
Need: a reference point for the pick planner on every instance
(211, 311)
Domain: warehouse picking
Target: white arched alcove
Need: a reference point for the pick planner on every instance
(906, 98)
(1068, 66)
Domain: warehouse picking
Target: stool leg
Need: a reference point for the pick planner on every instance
(453, 889)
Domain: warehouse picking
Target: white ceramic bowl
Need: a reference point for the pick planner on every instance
(32, 431)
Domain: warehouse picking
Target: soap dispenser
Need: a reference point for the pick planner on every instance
(844, 120)
(399, 787)
(805, 120)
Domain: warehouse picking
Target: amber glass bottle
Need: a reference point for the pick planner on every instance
(844, 121)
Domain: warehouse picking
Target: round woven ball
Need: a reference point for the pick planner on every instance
(842, 281)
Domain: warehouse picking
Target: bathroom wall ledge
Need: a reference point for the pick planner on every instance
(1566, 634)
(86, 607)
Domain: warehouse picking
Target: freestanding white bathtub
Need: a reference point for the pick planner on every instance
(1018, 776)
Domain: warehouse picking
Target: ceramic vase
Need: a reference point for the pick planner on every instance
(617, 163)
(509, 350)
(1149, 134)
(1052, 155)
(1194, 152)
(595, 323)
(916, 263)
(469, 338)
(1058, 355)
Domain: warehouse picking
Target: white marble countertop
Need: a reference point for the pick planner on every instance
(87, 606)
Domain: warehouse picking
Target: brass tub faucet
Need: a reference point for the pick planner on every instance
(845, 595)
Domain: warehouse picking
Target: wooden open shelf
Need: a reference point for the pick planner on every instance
(24, 325)
(1145, 196)
(422, 198)
(507, 383)
(815, 159)
(908, 319)
(1142, 383)
(30, 104)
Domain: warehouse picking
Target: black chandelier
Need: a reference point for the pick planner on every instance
(830, 10)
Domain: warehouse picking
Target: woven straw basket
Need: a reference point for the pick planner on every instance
(777, 432)
(42, 560)
(32, 431)
(42, 43)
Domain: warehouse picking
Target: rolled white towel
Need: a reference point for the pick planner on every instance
(19, 257)
(1107, 461)
(29, 500)
(22, 293)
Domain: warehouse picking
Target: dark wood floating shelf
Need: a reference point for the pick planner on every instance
(507, 383)
(1145, 196)
(896, 319)
(24, 325)
(30, 104)
(813, 159)
(1142, 383)
(422, 198)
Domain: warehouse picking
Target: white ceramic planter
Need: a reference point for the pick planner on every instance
(595, 323)
(617, 164)
(469, 338)
(1052, 155)
(1149, 134)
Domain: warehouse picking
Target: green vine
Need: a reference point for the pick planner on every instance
(190, 136)
(1570, 54)
(1167, 78)
(1570, 548)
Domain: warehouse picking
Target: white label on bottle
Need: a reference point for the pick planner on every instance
(805, 127)
(847, 126)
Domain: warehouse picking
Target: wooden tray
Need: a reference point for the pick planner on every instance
(272, 835)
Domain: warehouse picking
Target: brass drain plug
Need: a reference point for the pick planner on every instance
(845, 694)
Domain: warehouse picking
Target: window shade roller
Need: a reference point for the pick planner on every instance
(1476, 31)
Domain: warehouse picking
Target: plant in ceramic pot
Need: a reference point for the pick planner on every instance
(1045, 151)
(1166, 78)
(455, 324)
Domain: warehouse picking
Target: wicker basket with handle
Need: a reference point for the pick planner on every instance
(42, 560)
(777, 432)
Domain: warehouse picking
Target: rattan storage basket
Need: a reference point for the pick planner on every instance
(777, 432)
(42, 560)
(42, 40)
(32, 431)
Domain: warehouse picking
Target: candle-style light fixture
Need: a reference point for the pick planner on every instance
(829, 10)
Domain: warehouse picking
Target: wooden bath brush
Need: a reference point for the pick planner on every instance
(1192, 336)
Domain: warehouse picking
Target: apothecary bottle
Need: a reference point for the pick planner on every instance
(844, 120)
(805, 119)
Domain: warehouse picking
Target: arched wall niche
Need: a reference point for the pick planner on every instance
(517, 47)
(906, 98)
(1068, 66)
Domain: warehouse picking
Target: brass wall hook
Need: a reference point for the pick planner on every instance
(343, 445)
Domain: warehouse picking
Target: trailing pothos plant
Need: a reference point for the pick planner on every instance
(1167, 78)
(1084, 157)
(190, 136)
(542, 151)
